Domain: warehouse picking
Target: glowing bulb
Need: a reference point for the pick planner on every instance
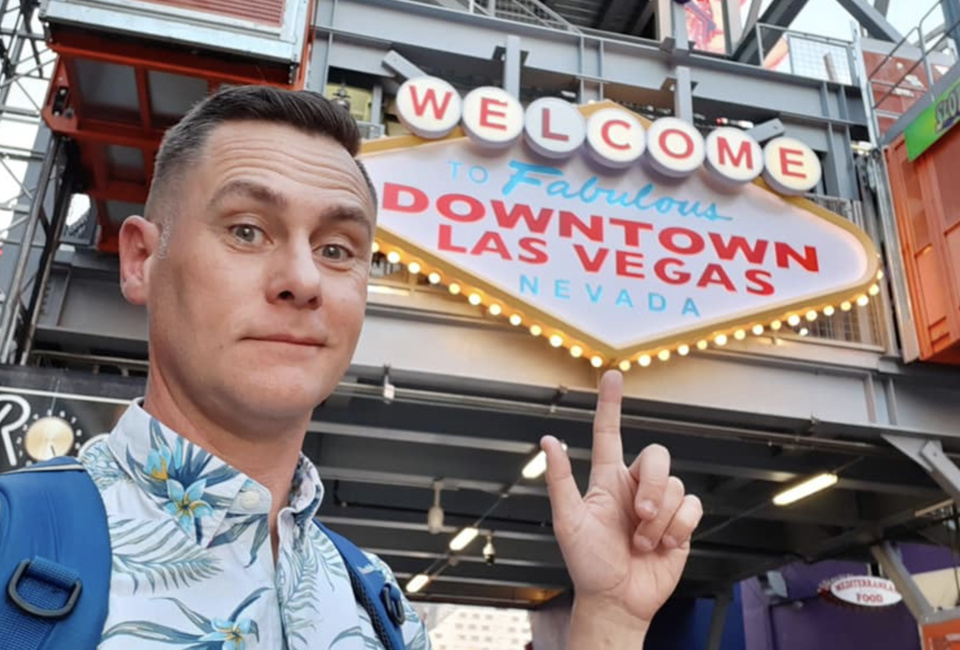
(536, 330)
(434, 278)
(393, 257)
(644, 360)
(862, 301)
(375, 248)
(721, 339)
(684, 350)
(757, 330)
(804, 331)
(556, 340)
(702, 345)
(775, 325)
(596, 362)
(793, 321)
(874, 289)
(414, 267)
(515, 320)
(454, 288)
(495, 309)
(474, 299)
(576, 351)
(663, 355)
(811, 315)
(624, 365)
(739, 335)
(880, 274)
(845, 305)
(829, 310)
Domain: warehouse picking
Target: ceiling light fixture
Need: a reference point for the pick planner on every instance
(435, 513)
(462, 539)
(806, 489)
(417, 583)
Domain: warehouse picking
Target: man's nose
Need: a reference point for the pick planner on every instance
(297, 277)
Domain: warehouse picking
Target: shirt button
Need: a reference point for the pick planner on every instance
(250, 499)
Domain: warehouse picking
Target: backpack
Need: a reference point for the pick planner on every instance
(55, 561)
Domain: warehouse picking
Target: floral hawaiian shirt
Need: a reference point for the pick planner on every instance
(193, 568)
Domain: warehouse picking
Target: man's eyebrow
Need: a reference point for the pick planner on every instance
(341, 214)
(251, 190)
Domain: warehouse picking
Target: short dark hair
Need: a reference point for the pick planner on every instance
(304, 110)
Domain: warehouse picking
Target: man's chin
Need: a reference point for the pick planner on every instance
(280, 393)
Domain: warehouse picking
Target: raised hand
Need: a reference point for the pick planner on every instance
(626, 541)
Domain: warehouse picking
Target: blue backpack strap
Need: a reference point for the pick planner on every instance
(382, 600)
(54, 558)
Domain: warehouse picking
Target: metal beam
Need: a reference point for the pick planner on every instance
(928, 453)
(875, 22)
(780, 13)
(889, 559)
(512, 65)
(883, 6)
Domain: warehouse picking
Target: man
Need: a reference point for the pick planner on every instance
(252, 261)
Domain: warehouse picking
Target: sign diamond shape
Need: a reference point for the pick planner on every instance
(611, 263)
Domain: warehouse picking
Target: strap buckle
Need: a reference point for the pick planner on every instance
(41, 573)
(393, 602)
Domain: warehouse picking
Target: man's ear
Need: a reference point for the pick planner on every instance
(139, 248)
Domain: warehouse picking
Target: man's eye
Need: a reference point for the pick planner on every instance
(247, 234)
(334, 252)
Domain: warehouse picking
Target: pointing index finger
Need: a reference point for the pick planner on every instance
(607, 444)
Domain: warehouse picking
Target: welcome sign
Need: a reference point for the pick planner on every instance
(619, 239)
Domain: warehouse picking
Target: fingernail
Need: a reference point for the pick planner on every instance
(648, 509)
(669, 542)
(643, 543)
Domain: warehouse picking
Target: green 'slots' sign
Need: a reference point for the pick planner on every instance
(932, 123)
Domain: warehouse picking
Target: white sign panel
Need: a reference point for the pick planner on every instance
(865, 591)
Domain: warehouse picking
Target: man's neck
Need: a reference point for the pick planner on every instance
(267, 452)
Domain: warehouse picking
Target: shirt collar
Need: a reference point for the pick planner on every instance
(195, 487)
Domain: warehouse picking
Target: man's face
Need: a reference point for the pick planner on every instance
(257, 305)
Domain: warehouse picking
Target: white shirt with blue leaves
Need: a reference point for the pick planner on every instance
(192, 564)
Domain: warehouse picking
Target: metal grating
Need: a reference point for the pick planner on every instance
(266, 12)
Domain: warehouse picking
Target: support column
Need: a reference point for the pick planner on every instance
(889, 559)
(683, 87)
(719, 619)
(951, 18)
(512, 65)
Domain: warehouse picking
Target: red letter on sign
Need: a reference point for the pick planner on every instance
(486, 113)
(605, 133)
(430, 97)
(630, 265)
(445, 242)
(725, 152)
(687, 140)
(391, 198)
(795, 160)
(546, 132)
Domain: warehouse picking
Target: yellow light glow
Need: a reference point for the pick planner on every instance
(804, 331)
(684, 350)
(807, 488)
(880, 274)
(596, 362)
(495, 309)
(776, 325)
(414, 267)
(644, 360)
(721, 339)
(874, 289)
(845, 305)
(663, 355)
(793, 321)
(624, 365)
(576, 351)
(702, 345)
(454, 288)
(516, 320)
(393, 257)
(536, 330)
(463, 538)
(757, 330)
(862, 301)
(556, 340)
(812, 315)
(417, 583)
(434, 278)
(375, 248)
(829, 310)
(739, 335)
(474, 299)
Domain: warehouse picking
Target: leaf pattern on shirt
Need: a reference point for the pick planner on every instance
(332, 563)
(297, 576)
(102, 466)
(158, 553)
(230, 633)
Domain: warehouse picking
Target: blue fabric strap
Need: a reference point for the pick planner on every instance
(381, 599)
(42, 593)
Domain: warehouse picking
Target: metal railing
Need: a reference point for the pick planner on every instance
(932, 52)
(528, 12)
(807, 55)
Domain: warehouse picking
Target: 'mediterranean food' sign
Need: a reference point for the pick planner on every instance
(622, 240)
